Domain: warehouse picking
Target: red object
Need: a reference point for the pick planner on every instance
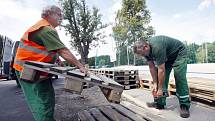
(154, 93)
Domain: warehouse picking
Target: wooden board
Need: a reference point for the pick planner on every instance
(74, 86)
(61, 69)
(132, 86)
(85, 116)
(98, 115)
(146, 114)
(110, 82)
(110, 113)
(127, 112)
(95, 78)
(76, 73)
(40, 64)
(30, 75)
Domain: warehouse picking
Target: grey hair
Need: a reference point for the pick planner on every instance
(49, 10)
(138, 43)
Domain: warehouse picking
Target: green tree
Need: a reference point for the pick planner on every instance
(91, 61)
(191, 52)
(132, 23)
(83, 25)
(201, 53)
(101, 62)
(211, 53)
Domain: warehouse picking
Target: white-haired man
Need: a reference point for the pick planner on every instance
(41, 43)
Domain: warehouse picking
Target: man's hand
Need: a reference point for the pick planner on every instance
(154, 90)
(83, 70)
(160, 92)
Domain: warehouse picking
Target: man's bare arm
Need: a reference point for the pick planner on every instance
(161, 78)
(153, 71)
(70, 58)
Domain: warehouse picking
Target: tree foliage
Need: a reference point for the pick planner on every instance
(132, 23)
(191, 52)
(201, 53)
(83, 26)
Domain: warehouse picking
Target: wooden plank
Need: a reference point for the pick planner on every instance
(127, 112)
(40, 64)
(214, 96)
(98, 115)
(73, 85)
(113, 115)
(114, 96)
(149, 115)
(85, 116)
(61, 69)
(30, 75)
(95, 78)
(132, 86)
(76, 73)
(110, 82)
(202, 96)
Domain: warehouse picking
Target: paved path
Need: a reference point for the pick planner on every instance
(198, 113)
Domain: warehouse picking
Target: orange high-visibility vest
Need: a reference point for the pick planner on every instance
(31, 51)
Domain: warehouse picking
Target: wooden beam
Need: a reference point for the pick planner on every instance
(74, 86)
(39, 64)
(113, 115)
(61, 69)
(98, 115)
(127, 112)
(85, 116)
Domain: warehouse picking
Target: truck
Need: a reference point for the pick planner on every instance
(8, 51)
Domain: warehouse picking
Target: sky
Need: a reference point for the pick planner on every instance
(186, 20)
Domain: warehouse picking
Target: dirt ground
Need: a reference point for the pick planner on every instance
(69, 104)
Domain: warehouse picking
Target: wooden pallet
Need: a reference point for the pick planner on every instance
(74, 79)
(198, 88)
(113, 112)
(132, 86)
(146, 84)
(128, 82)
(128, 77)
(125, 72)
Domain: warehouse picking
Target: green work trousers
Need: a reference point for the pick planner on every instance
(182, 92)
(40, 98)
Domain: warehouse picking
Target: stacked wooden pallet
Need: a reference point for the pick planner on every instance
(74, 79)
(146, 82)
(199, 88)
(128, 78)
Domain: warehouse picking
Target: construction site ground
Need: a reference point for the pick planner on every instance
(14, 107)
(198, 111)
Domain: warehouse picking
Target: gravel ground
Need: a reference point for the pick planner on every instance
(69, 104)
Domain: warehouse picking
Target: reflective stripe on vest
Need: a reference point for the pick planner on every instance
(44, 52)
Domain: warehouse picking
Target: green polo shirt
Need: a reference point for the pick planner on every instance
(165, 49)
(47, 37)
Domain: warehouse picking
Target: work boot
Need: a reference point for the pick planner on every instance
(154, 105)
(184, 112)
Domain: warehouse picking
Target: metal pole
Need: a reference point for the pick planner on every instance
(203, 57)
(206, 52)
(96, 58)
(127, 55)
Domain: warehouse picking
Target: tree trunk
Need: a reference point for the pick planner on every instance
(84, 57)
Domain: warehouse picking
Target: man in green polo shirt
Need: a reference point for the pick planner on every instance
(162, 54)
(40, 96)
